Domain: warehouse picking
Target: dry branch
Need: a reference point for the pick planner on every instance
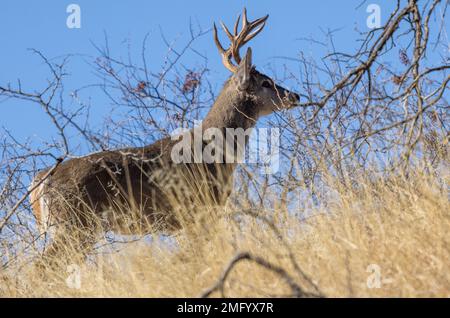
(297, 291)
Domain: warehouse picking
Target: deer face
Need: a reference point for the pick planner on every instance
(266, 95)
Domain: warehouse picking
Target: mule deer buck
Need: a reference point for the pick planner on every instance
(145, 180)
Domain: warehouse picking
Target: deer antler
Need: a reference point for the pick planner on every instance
(238, 40)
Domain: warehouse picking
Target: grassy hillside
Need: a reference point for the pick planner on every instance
(377, 237)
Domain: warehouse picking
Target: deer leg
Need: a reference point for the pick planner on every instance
(67, 247)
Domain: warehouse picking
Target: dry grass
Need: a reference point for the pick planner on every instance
(391, 234)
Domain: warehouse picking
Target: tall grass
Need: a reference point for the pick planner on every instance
(384, 236)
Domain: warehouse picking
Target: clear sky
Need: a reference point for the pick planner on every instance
(42, 25)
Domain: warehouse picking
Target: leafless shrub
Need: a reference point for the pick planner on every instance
(386, 103)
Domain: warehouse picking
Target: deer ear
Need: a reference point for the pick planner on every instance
(244, 70)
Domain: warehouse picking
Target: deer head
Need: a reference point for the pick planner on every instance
(246, 81)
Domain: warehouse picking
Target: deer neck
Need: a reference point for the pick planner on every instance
(232, 109)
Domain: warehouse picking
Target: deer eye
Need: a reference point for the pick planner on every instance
(266, 84)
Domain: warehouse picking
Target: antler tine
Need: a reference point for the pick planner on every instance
(230, 36)
(255, 24)
(236, 25)
(216, 40)
(244, 18)
(226, 54)
(253, 34)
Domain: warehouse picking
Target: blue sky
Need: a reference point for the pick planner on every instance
(41, 25)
